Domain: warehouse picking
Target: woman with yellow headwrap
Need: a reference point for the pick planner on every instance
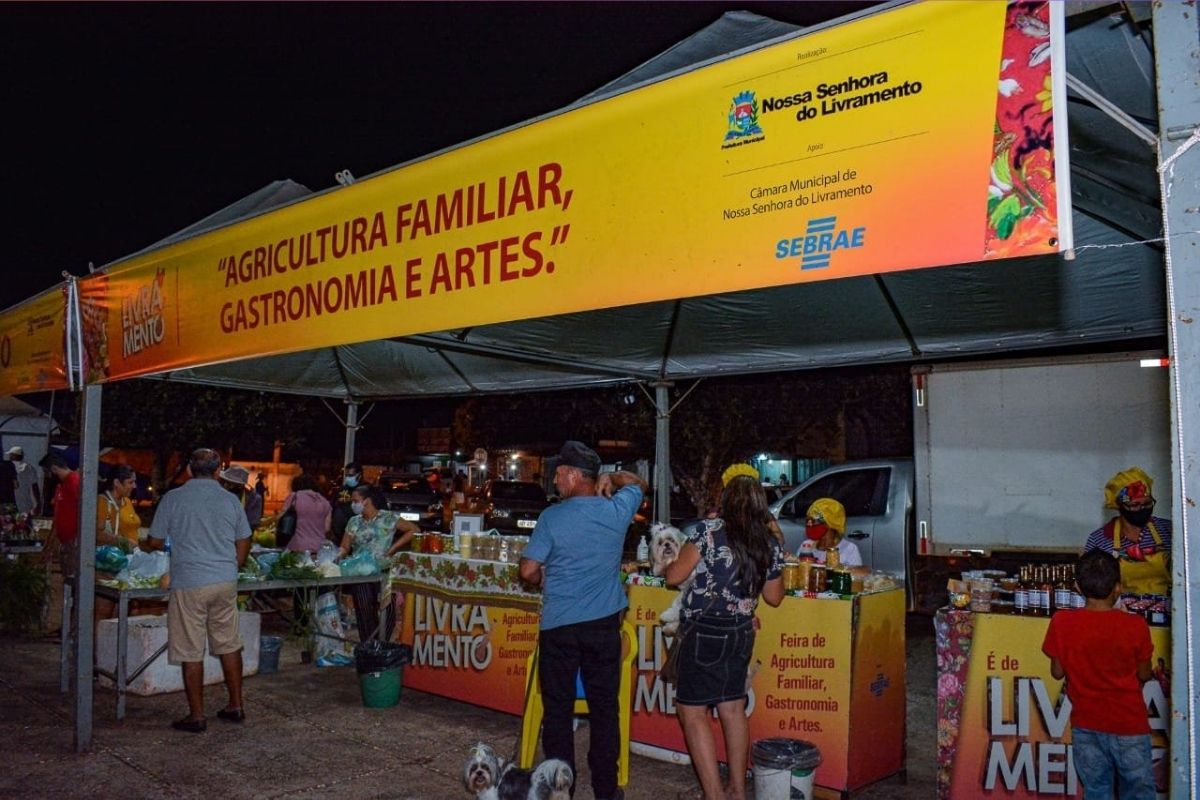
(825, 527)
(744, 469)
(1137, 538)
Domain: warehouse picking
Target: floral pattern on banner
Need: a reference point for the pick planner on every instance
(1022, 201)
(454, 574)
(954, 630)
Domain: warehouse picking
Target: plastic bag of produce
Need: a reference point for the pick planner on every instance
(145, 570)
(266, 560)
(331, 652)
(109, 558)
(329, 570)
(327, 554)
(293, 566)
(250, 571)
(362, 563)
(154, 564)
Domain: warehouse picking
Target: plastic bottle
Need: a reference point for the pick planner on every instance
(643, 548)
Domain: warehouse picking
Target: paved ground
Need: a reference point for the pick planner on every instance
(309, 736)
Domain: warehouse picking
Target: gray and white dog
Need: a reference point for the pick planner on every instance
(665, 543)
(490, 777)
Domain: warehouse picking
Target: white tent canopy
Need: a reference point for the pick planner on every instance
(22, 425)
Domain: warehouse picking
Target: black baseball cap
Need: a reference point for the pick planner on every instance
(579, 455)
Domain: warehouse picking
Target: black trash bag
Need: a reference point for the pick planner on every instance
(785, 754)
(376, 656)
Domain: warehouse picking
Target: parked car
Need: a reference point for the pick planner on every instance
(877, 496)
(414, 498)
(513, 506)
(682, 509)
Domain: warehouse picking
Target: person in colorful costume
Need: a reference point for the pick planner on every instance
(1140, 541)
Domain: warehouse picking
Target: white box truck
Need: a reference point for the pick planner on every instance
(1010, 458)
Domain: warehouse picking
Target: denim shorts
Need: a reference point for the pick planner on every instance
(714, 659)
(1107, 761)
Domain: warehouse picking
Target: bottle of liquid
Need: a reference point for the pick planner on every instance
(643, 549)
(1038, 601)
(1063, 594)
(1021, 593)
(1048, 606)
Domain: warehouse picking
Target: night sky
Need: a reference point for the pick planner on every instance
(125, 123)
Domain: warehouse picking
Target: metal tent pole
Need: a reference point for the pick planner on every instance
(351, 430)
(85, 595)
(662, 452)
(1177, 63)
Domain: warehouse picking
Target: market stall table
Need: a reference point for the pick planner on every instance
(472, 625)
(1003, 724)
(13, 550)
(122, 677)
(827, 670)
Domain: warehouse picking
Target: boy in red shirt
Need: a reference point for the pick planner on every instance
(1105, 656)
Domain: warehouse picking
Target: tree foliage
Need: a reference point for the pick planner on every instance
(590, 415)
(835, 414)
(171, 418)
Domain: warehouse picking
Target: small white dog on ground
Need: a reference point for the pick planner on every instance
(490, 777)
(666, 541)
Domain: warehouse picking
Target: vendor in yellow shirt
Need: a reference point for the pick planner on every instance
(116, 520)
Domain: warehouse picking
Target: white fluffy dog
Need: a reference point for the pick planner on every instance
(490, 777)
(665, 543)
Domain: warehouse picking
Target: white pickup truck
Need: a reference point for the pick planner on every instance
(1010, 461)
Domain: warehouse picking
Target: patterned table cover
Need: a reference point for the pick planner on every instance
(459, 580)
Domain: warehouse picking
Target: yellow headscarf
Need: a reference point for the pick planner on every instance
(830, 510)
(1124, 479)
(734, 470)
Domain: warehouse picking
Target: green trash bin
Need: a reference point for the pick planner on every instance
(380, 689)
(380, 667)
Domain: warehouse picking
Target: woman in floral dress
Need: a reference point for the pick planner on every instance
(736, 559)
(381, 532)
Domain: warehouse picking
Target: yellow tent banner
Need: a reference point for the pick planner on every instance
(32, 344)
(915, 137)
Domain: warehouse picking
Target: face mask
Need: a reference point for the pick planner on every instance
(350, 481)
(816, 532)
(356, 507)
(1138, 518)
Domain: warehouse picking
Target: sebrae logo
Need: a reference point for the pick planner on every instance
(822, 238)
(743, 127)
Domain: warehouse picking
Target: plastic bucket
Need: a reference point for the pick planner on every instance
(783, 769)
(380, 689)
(269, 648)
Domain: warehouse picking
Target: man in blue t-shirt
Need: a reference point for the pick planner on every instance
(574, 554)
